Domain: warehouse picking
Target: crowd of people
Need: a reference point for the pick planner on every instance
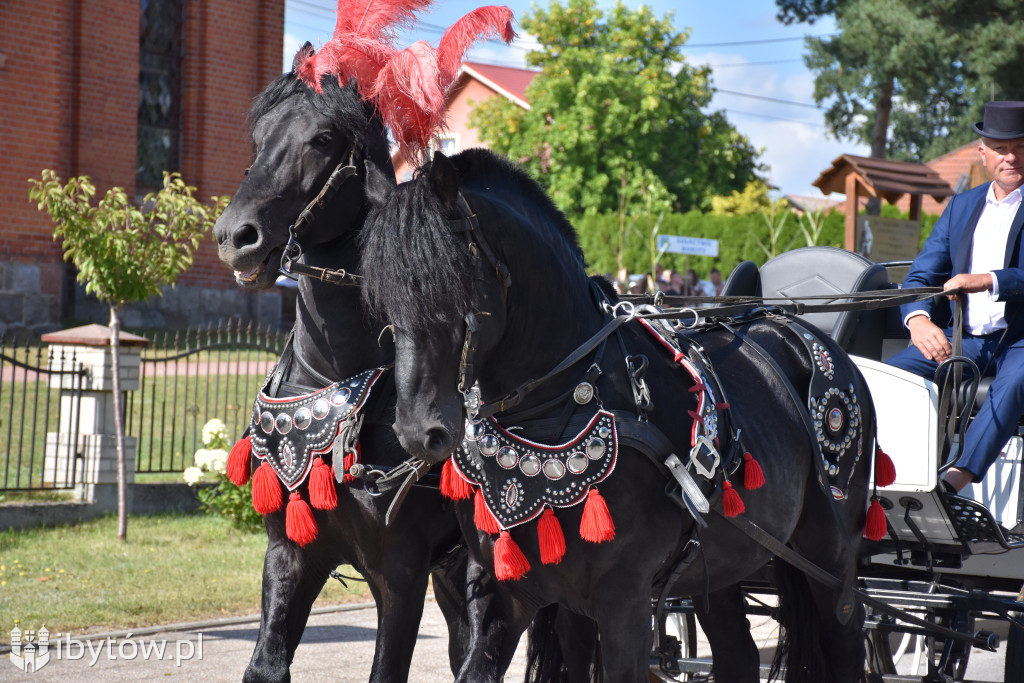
(671, 283)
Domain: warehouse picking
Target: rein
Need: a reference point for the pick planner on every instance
(290, 266)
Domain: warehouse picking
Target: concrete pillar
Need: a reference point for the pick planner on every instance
(85, 447)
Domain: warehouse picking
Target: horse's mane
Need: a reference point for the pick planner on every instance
(342, 105)
(415, 267)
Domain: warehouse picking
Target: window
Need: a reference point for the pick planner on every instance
(446, 144)
(158, 147)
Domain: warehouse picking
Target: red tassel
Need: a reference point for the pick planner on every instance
(732, 504)
(550, 537)
(266, 490)
(298, 520)
(322, 494)
(875, 527)
(453, 486)
(753, 475)
(483, 518)
(885, 470)
(509, 562)
(239, 467)
(597, 525)
(347, 462)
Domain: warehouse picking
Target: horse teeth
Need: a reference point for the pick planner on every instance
(249, 275)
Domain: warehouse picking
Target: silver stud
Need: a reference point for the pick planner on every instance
(595, 448)
(554, 469)
(267, 422)
(530, 465)
(489, 444)
(303, 418)
(474, 430)
(341, 396)
(507, 457)
(577, 462)
(283, 423)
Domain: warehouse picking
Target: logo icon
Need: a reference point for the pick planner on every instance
(30, 650)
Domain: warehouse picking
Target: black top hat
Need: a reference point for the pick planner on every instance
(1003, 121)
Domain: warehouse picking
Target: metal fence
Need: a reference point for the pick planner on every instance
(188, 378)
(33, 416)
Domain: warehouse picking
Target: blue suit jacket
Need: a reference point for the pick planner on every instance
(947, 252)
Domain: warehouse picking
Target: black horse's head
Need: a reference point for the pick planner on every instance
(300, 138)
(441, 279)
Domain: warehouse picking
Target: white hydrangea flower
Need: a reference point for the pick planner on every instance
(202, 459)
(192, 475)
(215, 432)
(217, 460)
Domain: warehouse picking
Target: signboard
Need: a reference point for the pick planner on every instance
(887, 239)
(676, 244)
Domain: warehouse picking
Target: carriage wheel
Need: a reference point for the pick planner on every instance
(1014, 668)
(682, 627)
(896, 652)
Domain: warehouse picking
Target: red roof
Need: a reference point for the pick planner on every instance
(507, 78)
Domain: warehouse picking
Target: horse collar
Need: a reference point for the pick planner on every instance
(289, 433)
(519, 477)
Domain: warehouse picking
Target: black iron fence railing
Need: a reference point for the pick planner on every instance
(39, 439)
(188, 378)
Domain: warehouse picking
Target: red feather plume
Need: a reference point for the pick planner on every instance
(491, 21)
(408, 87)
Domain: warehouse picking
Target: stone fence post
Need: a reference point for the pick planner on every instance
(92, 442)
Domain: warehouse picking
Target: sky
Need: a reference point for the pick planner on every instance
(758, 70)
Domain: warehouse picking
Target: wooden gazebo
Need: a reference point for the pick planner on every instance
(858, 177)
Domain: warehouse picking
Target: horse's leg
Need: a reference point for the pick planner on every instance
(399, 591)
(292, 578)
(832, 616)
(734, 654)
(489, 626)
(622, 611)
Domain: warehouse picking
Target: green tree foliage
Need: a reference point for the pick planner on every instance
(908, 77)
(615, 120)
(754, 198)
(124, 253)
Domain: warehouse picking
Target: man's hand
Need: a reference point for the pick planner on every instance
(968, 283)
(929, 338)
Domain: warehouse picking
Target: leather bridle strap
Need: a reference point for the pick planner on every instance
(307, 217)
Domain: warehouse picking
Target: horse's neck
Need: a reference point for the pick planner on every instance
(333, 335)
(543, 329)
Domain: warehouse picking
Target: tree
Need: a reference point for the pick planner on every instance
(124, 253)
(908, 77)
(615, 118)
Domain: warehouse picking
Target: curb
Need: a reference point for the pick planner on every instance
(209, 623)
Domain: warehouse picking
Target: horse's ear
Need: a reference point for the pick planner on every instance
(304, 53)
(378, 185)
(444, 179)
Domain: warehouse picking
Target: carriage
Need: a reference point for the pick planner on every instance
(957, 562)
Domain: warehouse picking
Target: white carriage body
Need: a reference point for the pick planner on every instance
(906, 408)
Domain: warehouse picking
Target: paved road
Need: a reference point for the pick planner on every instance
(337, 646)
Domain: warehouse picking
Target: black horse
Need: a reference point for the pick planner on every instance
(301, 138)
(482, 278)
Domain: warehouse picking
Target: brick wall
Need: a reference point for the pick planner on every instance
(68, 101)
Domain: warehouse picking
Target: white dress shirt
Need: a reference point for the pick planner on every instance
(985, 312)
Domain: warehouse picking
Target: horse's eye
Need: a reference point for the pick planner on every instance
(323, 139)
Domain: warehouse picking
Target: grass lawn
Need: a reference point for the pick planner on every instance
(173, 568)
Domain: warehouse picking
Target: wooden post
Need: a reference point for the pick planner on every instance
(915, 207)
(851, 212)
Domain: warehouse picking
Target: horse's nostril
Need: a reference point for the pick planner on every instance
(245, 236)
(439, 441)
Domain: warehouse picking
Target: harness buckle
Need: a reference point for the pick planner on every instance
(704, 457)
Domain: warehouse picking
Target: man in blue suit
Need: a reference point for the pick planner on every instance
(976, 247)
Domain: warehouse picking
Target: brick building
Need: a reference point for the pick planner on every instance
(121, 90)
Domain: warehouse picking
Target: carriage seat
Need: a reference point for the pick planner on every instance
(816, 271)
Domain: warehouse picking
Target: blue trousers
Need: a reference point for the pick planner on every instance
(997, 418)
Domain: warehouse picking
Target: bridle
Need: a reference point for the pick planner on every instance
(290, 266)
(468, 223)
